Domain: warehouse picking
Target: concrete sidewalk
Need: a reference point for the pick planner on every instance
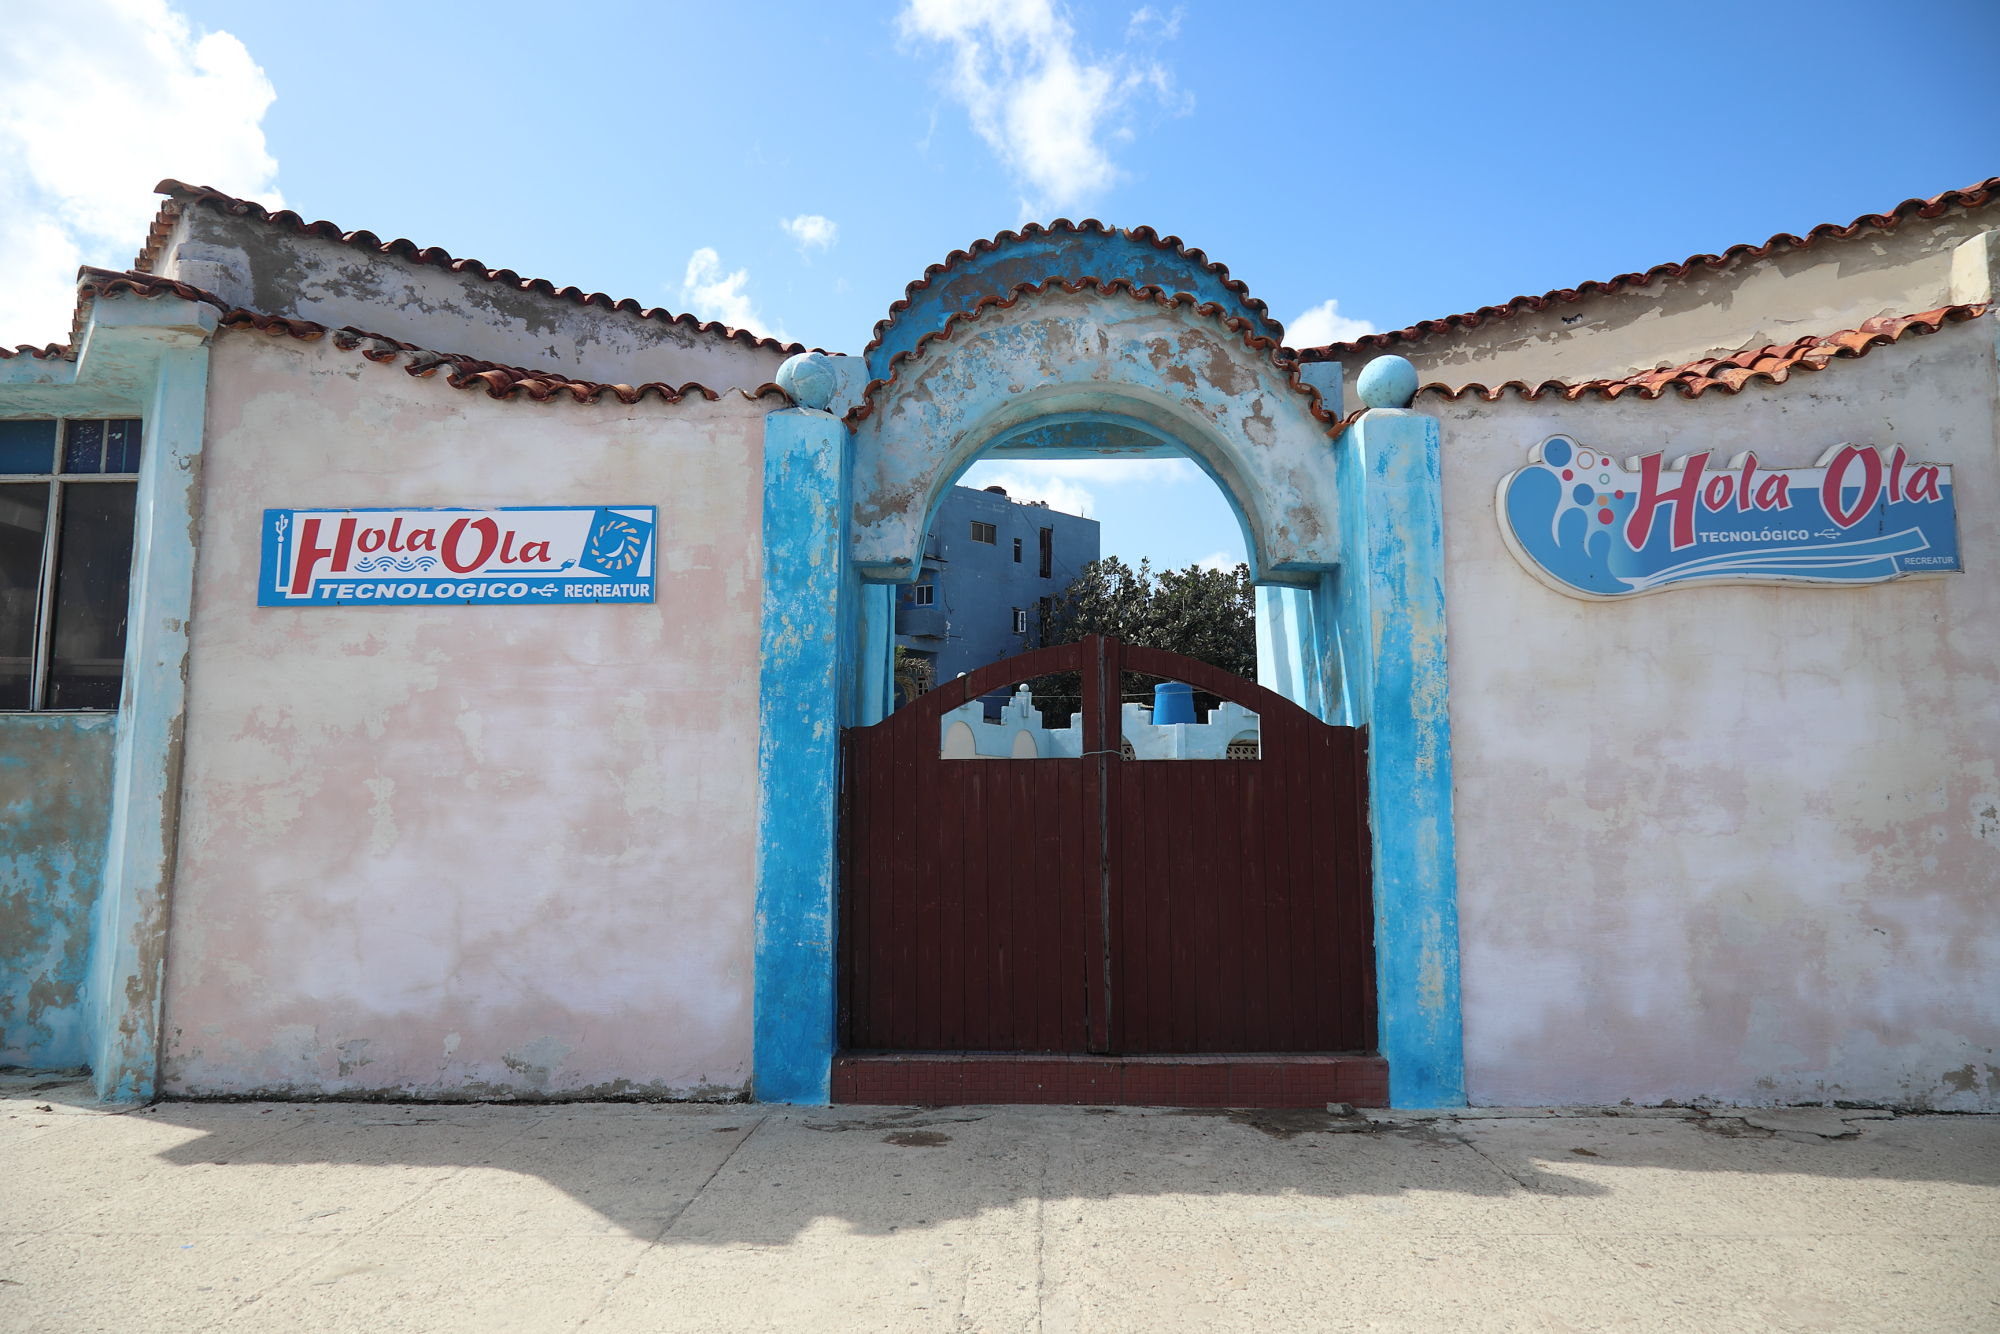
(287, 1216)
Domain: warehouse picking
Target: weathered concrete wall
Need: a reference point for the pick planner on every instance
(272, 268)
(1825, 288)
(1739, 843)
(55, 807)
(467, 851)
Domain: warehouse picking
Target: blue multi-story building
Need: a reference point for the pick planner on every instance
(992, 566)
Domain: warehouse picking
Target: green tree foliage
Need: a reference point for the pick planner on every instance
(1209, 615)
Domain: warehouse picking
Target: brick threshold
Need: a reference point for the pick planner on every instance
(1283, 1079)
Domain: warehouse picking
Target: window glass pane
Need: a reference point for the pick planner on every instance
(27, 446)
(83, 447)
(93, 572)
(121, 445)
(24, 516)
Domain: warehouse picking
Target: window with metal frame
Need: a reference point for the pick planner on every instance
(923, 595)
(67, 490)
(985, 532)
(1020, 620)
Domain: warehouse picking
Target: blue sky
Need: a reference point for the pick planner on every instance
(1402, 162)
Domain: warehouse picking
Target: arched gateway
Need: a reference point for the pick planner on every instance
(1087, 341)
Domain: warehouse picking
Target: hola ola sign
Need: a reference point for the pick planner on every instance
(1593, 528)
(534, 555)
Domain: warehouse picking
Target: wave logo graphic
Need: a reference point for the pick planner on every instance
(400, 564)
(1591, 527)
(616, 542)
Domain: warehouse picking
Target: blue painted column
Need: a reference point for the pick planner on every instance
(806, 676)
(129, 942)
(1395, 603)
(875, 686)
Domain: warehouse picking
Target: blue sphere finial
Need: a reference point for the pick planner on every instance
(1387, 382)
(809, 379)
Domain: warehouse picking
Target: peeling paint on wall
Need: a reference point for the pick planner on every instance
(1733, 845)
(55, 809)
(472, 851)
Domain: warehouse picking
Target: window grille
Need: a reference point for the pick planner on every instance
(67, 490)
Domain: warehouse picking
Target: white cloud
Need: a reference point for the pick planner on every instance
(100, 99)
(1041, 100)
(1221, 560)
(1325, 324)
(1035, 484)
(1070, 485)
(713, 294)
(811, 231)
(1147, 22)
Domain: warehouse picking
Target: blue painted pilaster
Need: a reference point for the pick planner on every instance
(129, 943)
(805, 679)
(1397, 603)
(1287, 656)
(876, 686)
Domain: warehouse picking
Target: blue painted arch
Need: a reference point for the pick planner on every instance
(1065, 252)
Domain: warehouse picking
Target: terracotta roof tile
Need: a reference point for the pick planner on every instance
(461, 372)
(1773, 364)
(1236, 324)
(182, 196)
(1973, 196)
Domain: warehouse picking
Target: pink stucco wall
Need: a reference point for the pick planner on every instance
(466, 851)
(1737, 843)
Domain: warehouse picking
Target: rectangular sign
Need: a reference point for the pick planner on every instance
(532, 554)
(1587, 526)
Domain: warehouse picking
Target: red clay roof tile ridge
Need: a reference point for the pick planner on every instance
(183, 195)
(1209, 310)
(1772, 364)
(464, 372)
(1971, 196)
(1008, 236)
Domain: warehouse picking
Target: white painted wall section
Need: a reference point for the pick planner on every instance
(467, 851)
(1738, 843)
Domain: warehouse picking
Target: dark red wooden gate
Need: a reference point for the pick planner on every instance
(1102, 904)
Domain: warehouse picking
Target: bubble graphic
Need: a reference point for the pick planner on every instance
(1586, 459)
(1568, 475)
(1556, 452)
(1580, 494)
(1604, 516)
(1604, 479)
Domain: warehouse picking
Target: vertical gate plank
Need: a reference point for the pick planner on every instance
(950, 806)
(1005, 840)
(1103, 733)
(1222, 871)
(901, 944)
(1075, 786)
(878, 884)
(1308, 974)
(1325, 953)
(976, 987)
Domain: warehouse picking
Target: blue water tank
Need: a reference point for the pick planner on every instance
(1173, 702)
